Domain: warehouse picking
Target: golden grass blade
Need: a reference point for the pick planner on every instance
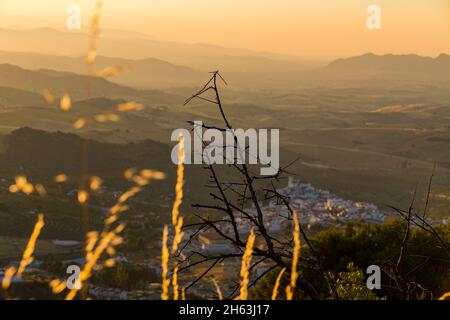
(60, 178)
(27, 257)
(246, 260)
(94, 32)
(9, 274)
(92, 54)
(129, 106)
(21, 184)
(178, 235)
(165, 265)
(277, 284)
(110, 238)
(445, 296)
(80, 123)
(83, 196)
(219, 292)
(21, 181)
(95, 183)
(175, 284)
(296, 254)
(110, 71)
(177, 221)
(49, 97)
(65, 102)
(96, 246)
(57, 286)
(179, 184)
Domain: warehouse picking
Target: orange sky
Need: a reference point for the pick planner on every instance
(300, 27)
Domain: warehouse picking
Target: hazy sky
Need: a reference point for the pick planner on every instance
(300, 27)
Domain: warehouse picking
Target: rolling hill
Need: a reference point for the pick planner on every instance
(143, 73)
(398, 66)
(137, 47)
(11, 97)
(78, 86)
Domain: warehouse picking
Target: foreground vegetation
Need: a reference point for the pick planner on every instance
(347, 252)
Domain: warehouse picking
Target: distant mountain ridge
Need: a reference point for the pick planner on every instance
(143, 73)
(198, 56)
(11, 97)
(390, 63)
(78, 86)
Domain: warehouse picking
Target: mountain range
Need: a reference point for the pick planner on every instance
(137, 47)
(76, 85)
(143, 73)
(406, 66)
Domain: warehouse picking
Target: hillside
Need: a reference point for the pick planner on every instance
(41, 155)
(404, 66)
(197, 56)
(143, 73)
(78, 86)
(10, 97)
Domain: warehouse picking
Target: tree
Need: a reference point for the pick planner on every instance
(231, 197)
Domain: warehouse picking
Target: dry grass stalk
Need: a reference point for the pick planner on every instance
(246, 260)
(83, 196)
(109, 117)
(57, 286)
(110, 71)
(445, 296)
(95, 183)
(65, 102)
(175, 283)
(21, 185)
(60, 178)
(129, 106)
(27, 257)
(179, 184)
(109, 238)
(177, 223)
(80, 123)
(9, 274)
(277, 284)
(94, 32)
(165, 265)
(49, 97)
(219, 292)
(296, 254)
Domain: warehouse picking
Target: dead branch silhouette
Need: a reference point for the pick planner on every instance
(230, 199)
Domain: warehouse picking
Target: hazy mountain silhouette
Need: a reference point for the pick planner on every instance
(198, 56)
(78, 86)
(399, 65)
(11, 97)
(144, 73)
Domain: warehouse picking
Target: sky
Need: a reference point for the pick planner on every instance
(296, 27)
